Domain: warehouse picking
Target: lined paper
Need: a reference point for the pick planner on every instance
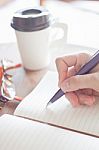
(61, 113)
(21, 134)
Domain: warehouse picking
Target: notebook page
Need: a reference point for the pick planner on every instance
(83, 118)
(22, 134)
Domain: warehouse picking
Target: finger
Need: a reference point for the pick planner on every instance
(89, 92)
(62, 69)
(85, 91)
(81, 82)
(77, 99)
(71, 72)
(63, 63)
(86, 99)
(95, 93)
(72, 97)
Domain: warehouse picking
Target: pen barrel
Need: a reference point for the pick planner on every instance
(91, 64)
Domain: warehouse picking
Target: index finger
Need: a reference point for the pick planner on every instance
(63, 63)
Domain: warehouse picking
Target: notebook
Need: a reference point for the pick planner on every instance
(61, 115)
(17, 133)
(59, 127)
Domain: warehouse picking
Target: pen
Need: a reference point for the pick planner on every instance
(84, 70)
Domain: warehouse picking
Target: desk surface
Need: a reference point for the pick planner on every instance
(24, 80)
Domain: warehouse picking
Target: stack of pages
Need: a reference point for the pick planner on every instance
(58, 127)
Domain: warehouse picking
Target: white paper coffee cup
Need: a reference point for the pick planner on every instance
(32, 27)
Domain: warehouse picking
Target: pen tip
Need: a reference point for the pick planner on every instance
(48, 104)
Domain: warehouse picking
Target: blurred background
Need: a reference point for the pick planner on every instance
(82, 18)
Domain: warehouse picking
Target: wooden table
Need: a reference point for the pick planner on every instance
(25, 81)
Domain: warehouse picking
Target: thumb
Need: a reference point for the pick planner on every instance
(81, 82)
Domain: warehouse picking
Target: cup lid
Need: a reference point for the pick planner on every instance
(31, 19)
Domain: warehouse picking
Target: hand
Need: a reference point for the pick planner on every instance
(79, 89)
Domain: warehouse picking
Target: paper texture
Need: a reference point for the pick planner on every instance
(21, 134)
(83, 118)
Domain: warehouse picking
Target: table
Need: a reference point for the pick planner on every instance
(25, 81)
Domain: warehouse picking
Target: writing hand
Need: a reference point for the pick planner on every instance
(79, 89)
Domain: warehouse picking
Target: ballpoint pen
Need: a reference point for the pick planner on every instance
(84, 70)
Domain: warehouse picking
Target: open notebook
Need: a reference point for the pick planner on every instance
(61, 114)
(33, 127)
(21, 134)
